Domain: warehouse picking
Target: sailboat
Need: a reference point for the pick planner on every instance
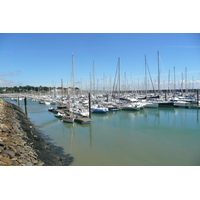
(148, 102)
(70, 117)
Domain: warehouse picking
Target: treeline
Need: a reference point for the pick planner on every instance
(28, 88)
(23, 89)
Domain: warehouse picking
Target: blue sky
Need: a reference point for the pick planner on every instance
(46, 58)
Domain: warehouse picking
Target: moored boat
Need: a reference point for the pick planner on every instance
(131, 107)
(151, 105)
(99, 109)
(166, 104)
(41, 102)
(59, 115)
(68, 119)
(51, 109)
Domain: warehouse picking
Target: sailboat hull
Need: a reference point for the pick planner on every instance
(68, 120)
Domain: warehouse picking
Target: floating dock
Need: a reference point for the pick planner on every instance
(83, 120)
(193, 106)
(188, 106)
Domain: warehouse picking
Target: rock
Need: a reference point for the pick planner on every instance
(14, 149)
(1, 148)
(10, 153)
(17, 154)
(14, 162)
(40, 164)
(20, 143)
(14, 158)
(6, 161)
(20, 160)
(4, 128)
(29, 164)
(2, 144)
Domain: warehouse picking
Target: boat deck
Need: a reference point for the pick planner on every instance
(62, 110)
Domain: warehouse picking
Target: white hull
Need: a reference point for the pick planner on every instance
(151, 105)
(99, 109)
(68, 120)
(59, 115)
(180, 104)
(79, 112)
(130, 108)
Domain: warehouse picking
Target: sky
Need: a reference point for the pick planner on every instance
(37, 41)
(46, 58)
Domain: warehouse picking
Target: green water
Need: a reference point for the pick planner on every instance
(150, 137)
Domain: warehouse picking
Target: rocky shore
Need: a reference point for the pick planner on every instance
(22, 145)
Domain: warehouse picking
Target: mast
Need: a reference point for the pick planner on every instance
(93, 77)
(62, 91)
(174, 81)
(182, 84)
(90, 82)
(72, 81)
(125, 87)
(145, 79)
(186, 90)
(169, 81)
(62, 88)
(119, 77)
(158, 74)
(72, 75)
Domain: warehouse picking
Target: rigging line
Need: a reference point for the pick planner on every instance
(115, 81)
(165, 74)
(150, 76)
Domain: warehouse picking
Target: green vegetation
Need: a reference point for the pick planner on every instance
(28, 89)
(23, 89)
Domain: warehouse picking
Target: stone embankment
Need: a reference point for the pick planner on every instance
(22, 145)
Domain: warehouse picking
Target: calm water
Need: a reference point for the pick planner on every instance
(151, 137)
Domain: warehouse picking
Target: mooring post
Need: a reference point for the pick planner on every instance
(198, 97)
(18, 101)
(89, 106)
(25, 105)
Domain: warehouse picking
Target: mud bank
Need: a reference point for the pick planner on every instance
(21, 144)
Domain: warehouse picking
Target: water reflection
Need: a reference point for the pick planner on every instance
(103, 116)
(90, 130)
(48, 123)
(72, 128)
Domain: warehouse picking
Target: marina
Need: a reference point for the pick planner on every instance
(150, 136)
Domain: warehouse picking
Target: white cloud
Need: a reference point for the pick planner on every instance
(6, 83)
(16, 73)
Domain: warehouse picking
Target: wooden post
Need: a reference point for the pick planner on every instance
(18, 101)
(89, 106)
(198, 97)
(25, 105)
